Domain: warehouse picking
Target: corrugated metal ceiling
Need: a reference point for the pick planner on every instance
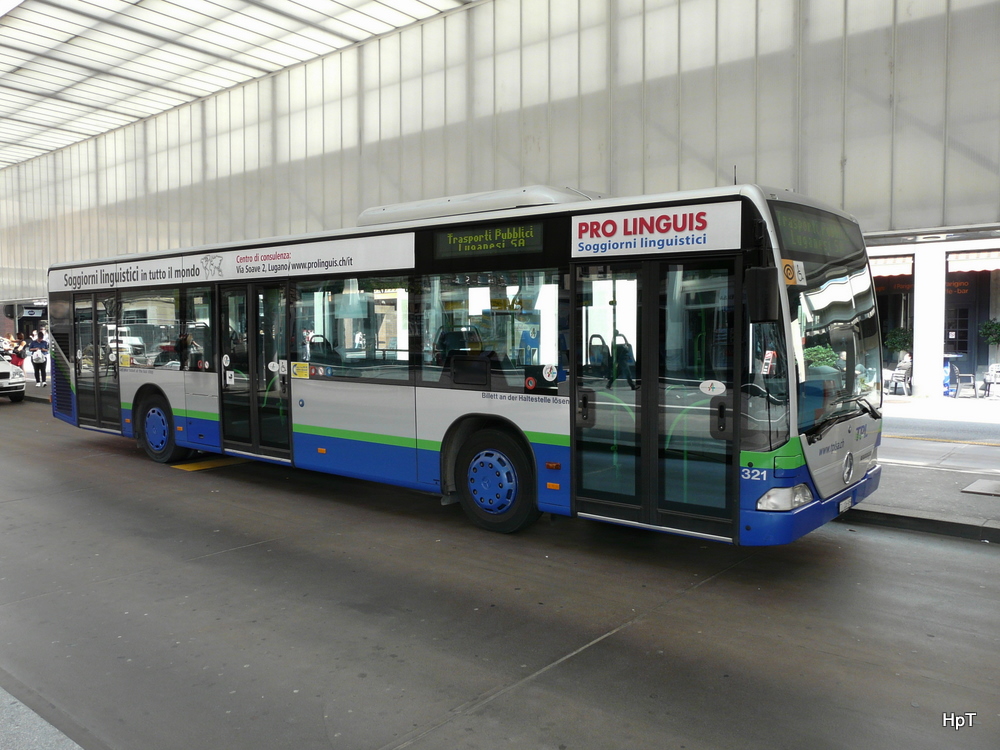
(72, 69)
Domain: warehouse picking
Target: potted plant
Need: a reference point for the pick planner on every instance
(899, 340)
(990, 331)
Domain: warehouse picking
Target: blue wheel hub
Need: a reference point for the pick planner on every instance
(155, 428)
(492, 482)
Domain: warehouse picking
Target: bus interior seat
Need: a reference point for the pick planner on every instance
(452, 341)
(598, 355)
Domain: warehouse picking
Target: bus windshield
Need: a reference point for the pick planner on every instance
(834, 325)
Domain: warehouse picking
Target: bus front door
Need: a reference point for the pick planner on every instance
(254, 349)
(98, 400)
(653, 391)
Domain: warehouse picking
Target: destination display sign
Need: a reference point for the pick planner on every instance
(503, 239)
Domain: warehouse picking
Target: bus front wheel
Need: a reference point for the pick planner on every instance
(157, 431)
(496, 485)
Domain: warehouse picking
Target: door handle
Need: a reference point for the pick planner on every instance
(585, 407)
(720, 420)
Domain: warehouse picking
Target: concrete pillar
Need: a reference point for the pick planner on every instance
(929, 271)
(994, 311)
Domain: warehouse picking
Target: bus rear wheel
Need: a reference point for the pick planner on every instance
(156, 432)
(495, 481)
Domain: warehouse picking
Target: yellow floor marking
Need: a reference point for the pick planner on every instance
(939, 440)
(212, 463)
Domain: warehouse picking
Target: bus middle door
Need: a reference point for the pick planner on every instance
(654, 379)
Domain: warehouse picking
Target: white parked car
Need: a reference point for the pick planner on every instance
(11, 381)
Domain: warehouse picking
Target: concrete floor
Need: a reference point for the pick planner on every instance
(253, 606)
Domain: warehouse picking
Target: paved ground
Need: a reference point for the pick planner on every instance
(254, 606)
(939, 456)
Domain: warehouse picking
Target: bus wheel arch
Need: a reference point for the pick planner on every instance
(154, 427)
(489, 464)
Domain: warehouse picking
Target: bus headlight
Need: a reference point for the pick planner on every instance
(785, 498)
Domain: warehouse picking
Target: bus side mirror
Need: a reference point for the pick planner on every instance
(763, 289)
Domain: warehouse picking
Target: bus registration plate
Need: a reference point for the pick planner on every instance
(845, 505)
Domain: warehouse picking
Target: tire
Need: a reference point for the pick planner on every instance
(156, 431)
(16, 397)
(496, 482)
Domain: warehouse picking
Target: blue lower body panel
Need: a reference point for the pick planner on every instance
(203, 434)
(378, 462)
(760, 527)
(553, 484)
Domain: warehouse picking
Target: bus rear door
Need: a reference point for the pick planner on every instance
(97, 392)
(254, 372)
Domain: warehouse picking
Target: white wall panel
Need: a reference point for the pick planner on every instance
(918, 151)
(869, 112)
(627, 100)
(822, 102)
(737, 91)
(778, 95)
(535, 140)
(972, 158)
(594, 123)
(886, 108)
(661, 121)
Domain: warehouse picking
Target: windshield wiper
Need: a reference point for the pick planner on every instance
(864, 403)
(820, 430)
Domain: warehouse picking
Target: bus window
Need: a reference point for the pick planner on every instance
(195, 345)
(766, 426)
(353, 328)
(153, 330)
(496, 330)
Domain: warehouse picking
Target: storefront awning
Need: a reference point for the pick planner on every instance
(979, 260)
(892, 265)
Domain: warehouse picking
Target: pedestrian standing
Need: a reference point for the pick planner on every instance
(39, 352)
(20, 351)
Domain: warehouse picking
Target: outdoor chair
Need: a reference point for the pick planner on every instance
(990, 377)
(901, 377)
(966, 380)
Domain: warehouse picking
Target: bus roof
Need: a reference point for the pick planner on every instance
(512, 203)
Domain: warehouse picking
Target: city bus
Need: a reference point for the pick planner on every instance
(704, 363)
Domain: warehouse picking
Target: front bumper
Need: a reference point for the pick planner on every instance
(759, 527)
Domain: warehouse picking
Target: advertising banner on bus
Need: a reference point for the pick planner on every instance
(352, 256)
(664, 229)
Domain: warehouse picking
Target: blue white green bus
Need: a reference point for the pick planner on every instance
(704, 363)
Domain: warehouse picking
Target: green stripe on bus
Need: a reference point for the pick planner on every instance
(788, 456)
(365, 437)
(211, 416)
(548, 438)
(428, 445)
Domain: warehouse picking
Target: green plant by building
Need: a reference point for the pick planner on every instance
(899, 340)
(990, 331)
(820, 356)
